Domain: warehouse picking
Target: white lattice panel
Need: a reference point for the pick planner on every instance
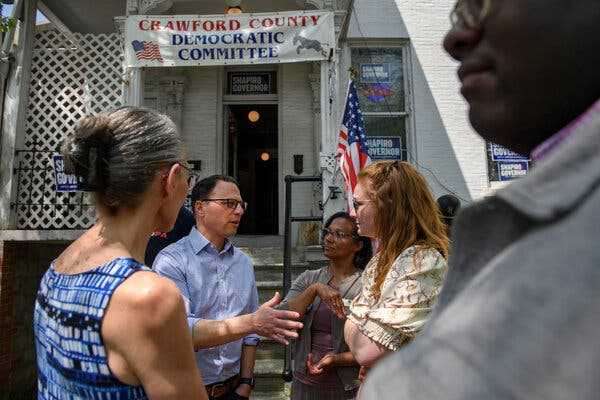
(69, 79)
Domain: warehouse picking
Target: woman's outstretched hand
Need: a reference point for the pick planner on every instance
(332, 298)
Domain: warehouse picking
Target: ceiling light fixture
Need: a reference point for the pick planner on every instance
(253, 116)
(233, 7)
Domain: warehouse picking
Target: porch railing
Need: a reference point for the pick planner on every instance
(287, 252)
(37, 205)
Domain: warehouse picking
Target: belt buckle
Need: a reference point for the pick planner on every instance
(215, 387)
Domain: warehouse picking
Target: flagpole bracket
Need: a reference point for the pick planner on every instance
(353, 73)
(333, 192)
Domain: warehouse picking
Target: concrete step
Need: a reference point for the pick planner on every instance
(269, 278)
(281, 395)
(269, 350)
(268, 270)
(268, 376)
(272, 273)
(270, 255)
(258, 241)
(269, 368)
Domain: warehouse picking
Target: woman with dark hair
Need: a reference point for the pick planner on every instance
(106, 327)
(401, 283)
(324, 368)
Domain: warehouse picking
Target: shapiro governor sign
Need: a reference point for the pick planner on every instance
(185, 40)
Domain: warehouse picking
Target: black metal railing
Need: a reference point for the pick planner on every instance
(287, 252)
(37, 205)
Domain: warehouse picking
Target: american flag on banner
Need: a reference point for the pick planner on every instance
(352, 150)
(146, 50)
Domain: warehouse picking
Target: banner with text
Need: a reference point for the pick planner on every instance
(185, 40)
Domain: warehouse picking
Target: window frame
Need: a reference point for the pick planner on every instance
(408, 153)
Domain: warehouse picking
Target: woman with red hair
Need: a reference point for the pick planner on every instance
(401, 283)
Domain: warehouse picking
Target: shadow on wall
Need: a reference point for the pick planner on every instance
(435, 144)
(441, 143)
(444, 146)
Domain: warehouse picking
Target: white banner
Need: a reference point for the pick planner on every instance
(184, 40)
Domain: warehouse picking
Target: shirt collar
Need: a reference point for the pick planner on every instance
(553, 142)
(326, 276)
(199, 242)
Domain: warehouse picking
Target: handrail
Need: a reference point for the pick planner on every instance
(34, 174)
(287, 252)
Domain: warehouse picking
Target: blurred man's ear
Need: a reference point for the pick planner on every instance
(198, 208)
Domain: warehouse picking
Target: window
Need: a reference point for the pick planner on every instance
(381, 86)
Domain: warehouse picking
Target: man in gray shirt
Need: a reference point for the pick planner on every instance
(519, 316)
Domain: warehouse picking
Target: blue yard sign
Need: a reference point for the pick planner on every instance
(509, 170)
(509, 165)
(385, 147)
(500, 153)
(64, 182)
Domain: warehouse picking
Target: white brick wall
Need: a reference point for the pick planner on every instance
(377, 19)
(444, 141)
(199, 117)
(297, 134)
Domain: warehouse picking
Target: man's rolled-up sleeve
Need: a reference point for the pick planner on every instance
(252, 339)
(171, 264)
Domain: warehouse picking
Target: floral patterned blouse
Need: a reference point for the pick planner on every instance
(408, 294)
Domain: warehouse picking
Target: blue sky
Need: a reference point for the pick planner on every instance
(7, 10)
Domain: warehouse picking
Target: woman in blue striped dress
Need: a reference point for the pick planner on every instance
(106, 327)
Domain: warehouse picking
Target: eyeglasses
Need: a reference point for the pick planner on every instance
(470, 13)
(191, 174)
(231, 204)
(337, 235)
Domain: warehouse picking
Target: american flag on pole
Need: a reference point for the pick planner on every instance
(352, 145)
(146, 50)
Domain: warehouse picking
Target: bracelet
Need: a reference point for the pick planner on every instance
(248, 381)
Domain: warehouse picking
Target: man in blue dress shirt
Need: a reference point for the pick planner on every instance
(217, 283)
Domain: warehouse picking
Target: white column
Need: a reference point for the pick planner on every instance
(134, 87)
(15, 108)
(333, 183)
(133, 78)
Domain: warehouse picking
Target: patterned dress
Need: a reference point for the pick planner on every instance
(71, 356)
(408, 294)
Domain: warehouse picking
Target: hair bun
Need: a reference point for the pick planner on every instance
(85, 151)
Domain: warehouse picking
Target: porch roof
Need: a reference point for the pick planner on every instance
(96, 16)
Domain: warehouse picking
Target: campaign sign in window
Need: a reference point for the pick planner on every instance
(384, 147)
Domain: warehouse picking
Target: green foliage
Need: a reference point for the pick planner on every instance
(7, 24)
